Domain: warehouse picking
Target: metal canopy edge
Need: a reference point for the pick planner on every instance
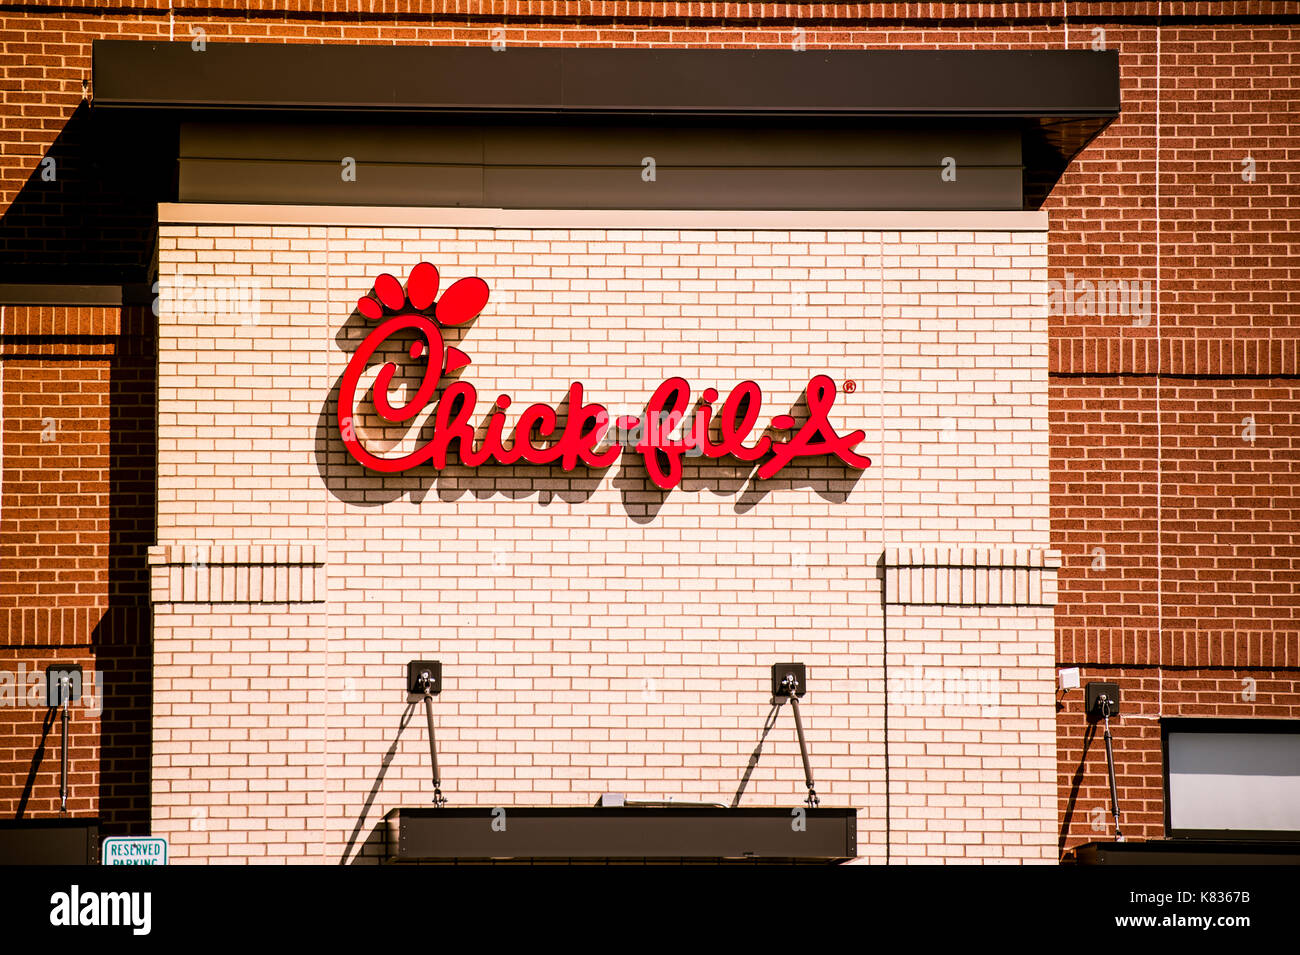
(633, 833)
(1022, 83)
(1054, 101)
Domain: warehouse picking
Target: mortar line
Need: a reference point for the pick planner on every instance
(884, 603)
(1160, 589)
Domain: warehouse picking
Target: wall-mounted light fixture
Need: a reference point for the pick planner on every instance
(424, 679)
(790, 681)
(62, 689)
(1101, 702)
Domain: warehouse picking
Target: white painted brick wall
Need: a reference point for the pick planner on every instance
(594, 636)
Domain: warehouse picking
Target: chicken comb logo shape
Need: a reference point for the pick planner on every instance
(413, 307)
(579, 438)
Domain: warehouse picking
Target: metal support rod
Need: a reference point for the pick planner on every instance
(1110, 767)
(812, 799)
(438, 800)
(64, 693)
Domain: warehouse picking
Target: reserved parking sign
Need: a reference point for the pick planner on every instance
(147, 850)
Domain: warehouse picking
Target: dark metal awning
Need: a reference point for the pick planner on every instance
(1185, 852)
(63, 840)
(1053, 101)
(576, 80)
(624, 833)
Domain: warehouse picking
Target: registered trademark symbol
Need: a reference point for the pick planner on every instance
(850, 386)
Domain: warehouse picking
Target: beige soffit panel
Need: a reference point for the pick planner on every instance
(456, 217)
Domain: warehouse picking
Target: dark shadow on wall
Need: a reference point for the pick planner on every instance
(768, 723)
(122, 641)
(373, 850)
(87, 214)
(1075, 783)
(51, 714)
(123, 647)
(367, 852)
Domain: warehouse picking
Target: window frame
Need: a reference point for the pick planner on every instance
(1181, 724)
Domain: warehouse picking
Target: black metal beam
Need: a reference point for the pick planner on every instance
(57, 841)
(577, 81)
(106, 295)
(1184, 852)
(627, 833)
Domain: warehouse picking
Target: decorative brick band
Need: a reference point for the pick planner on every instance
(1098, 350)
(1020, 577)
(237, 574)
(715, 13)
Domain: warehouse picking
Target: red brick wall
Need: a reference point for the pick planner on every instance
(1149, 693)
(1196, 523)
(1185, 491)
(77, 515)
(1197, 519)
(1148, 461)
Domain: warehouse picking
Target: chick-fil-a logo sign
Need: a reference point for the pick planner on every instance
(664, 437)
